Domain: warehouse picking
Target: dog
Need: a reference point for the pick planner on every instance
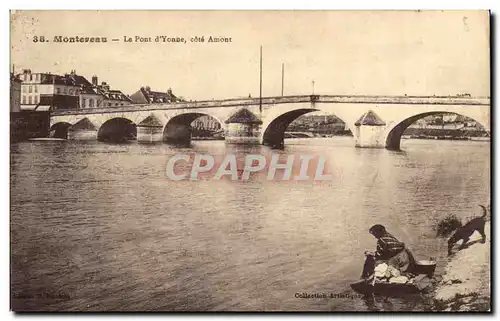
(464, 233)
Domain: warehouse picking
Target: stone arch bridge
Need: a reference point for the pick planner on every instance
(375, 121)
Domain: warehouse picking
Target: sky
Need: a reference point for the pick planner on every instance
(343, 52)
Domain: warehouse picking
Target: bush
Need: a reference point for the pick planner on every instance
(447, 225)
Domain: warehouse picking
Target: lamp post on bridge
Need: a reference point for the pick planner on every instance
(313, 97)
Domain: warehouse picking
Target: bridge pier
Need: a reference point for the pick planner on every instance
(150, 130)
(370, 129)
(83, 130)
(82, 134)
(369, 136)
(242, 134)
(149, 134)
(243, 128)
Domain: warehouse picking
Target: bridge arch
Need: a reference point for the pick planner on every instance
(179, 129)
(394, 133)
(59, 130)
(117, 129)
(273, 130)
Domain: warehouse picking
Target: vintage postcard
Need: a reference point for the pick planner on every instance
(250, 161)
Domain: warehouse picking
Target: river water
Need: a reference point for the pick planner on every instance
(96, 226)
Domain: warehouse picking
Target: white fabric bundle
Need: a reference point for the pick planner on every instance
(380, 270)
(400, 279)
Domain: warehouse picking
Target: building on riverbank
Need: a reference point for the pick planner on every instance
(46, 91)
(105, 96)
(447, 122)
(147, 96)
(319, 124)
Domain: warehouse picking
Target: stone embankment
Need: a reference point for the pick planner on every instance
(466, 284)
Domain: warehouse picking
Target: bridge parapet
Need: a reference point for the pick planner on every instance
(409, 100)
(189, 105)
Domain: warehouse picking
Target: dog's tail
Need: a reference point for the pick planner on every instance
(484, 211)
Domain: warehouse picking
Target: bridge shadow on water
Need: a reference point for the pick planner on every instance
(118, 141)
(277, 147)
(179, 144)
(396, 151)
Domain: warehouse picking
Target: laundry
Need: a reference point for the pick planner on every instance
(380, 270)
(385, 272)
(400, 279)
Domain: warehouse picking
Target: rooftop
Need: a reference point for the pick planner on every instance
(243, 116)
(370, 118)
(147, 96)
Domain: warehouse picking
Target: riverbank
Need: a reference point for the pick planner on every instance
(482, 139)
(28, 124)
(466, 284)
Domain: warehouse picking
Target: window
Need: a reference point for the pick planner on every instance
(98, 103)
(35, 98)
(36, 88)
(24, 100)
(29, 100)
(31, 78)
(109, 104)
(91, 103)
(65, 90)
(116, 104)
(71, 91)
(58, 90)
(121, 104)
(30, 89)
(25, 89)
(84, 101)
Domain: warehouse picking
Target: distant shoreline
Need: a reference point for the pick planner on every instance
(424, 137)
(481, 139)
